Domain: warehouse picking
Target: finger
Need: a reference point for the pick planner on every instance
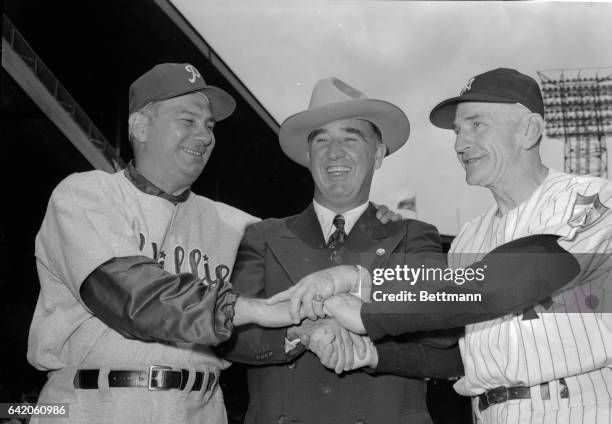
(302, 313)
(327, 309)
(321, 343)
(296, 302)
(321, 338)
(348, 350)
(326, 355)
(307, 300)
(361, 362)
(314, 343)
(382, 214)
(358, 344)
(318, 308)
(332, 304)
(341, 358)
(281, 297)
(332, 360)
(305, 339)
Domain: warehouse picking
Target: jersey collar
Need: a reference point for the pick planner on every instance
(148, 187)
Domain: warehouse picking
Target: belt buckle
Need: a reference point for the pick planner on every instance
(497, 398)
(158, 379)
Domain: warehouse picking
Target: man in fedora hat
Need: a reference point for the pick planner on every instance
(134, 270)
(342, 138)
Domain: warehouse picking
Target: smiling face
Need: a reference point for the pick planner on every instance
(343, 155)
(488, 142)
(177, 142)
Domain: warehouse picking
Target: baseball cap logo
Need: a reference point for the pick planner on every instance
(195, 74)
(467, 87)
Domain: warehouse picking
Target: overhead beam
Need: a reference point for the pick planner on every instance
(45, 100)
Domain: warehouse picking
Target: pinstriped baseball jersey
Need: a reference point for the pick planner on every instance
(515, 351)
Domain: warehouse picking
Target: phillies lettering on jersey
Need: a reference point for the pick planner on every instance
(196, 263)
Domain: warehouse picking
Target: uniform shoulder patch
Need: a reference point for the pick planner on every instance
(587, 211)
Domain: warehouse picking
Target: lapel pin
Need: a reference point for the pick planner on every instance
(380, 252)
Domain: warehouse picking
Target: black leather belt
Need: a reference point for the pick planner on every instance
(503, 394)
(157, 378)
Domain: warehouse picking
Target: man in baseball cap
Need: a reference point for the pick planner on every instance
(342, 138)
(531, 367)
(134, 270)
(175, 95)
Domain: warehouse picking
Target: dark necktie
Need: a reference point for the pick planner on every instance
(336, 240)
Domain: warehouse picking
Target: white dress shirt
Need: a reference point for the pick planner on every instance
(326, 218)
(326, 221)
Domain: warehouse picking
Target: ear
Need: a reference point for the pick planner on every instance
(379, 155)
(533, 125)
(139, 125)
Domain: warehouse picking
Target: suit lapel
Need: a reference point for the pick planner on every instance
(370, 243)
(300, 248)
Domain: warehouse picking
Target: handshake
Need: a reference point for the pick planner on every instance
(326, 309)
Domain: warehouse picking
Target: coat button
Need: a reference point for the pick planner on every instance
(338, 259)
(292, 366)
(281, 419)
(326, 390)
(360, 422)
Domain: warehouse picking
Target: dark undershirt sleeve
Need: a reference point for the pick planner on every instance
(417, 360)
(136, 297)
(519, 274)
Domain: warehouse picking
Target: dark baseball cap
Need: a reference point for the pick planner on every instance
(168, 80)
(500, 85)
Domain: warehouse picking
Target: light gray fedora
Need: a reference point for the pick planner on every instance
(333, 99)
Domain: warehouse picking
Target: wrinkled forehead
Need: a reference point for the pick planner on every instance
(471, 110)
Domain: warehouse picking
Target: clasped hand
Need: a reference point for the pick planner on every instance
(311, 296)
(337, 342)
(336, 347)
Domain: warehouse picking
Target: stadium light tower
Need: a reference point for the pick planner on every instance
(578, 107)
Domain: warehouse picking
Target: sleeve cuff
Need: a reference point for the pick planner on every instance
(372, 321)
(387, 360)
(291, 344)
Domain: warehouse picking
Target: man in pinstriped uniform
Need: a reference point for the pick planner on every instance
(552, 363)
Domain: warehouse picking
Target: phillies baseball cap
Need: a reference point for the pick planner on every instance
(500, 85)
(168, 80)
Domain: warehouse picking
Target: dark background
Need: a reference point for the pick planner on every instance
(96, 49)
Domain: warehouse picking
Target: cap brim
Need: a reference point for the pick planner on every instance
(443, 115)
(390, 119)
(222, 105)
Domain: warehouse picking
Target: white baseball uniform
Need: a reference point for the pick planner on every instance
(571, 351)
(93, 217)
